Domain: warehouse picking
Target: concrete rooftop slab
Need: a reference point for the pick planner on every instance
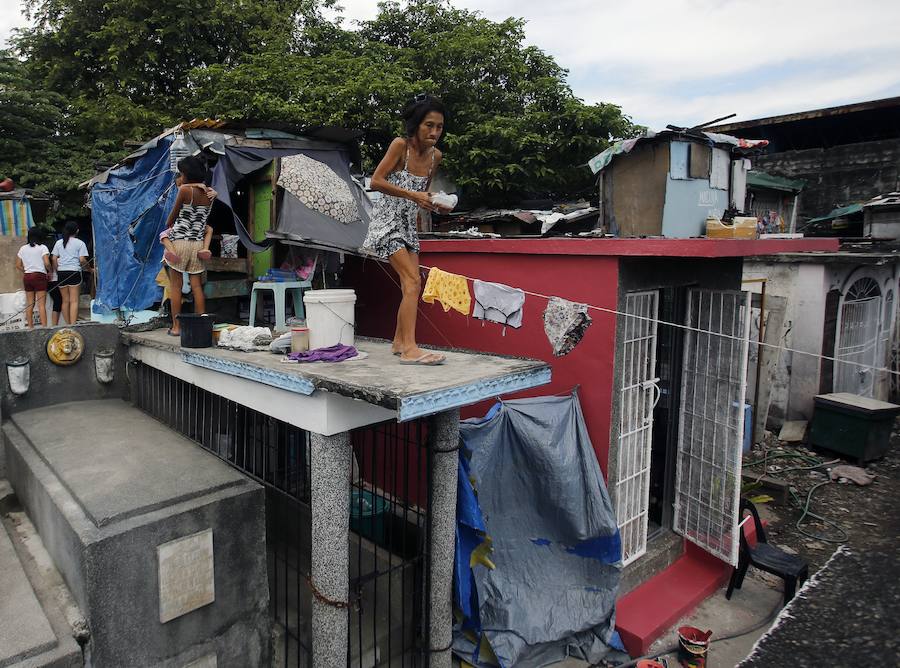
(118, 462)
(412, 391)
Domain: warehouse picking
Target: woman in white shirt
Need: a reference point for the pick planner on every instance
(69, 258)
(33, 261)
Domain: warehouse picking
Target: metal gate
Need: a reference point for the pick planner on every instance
(885, 347)
(637, 398)
(389, 517)
(711, 425)
(858, 340)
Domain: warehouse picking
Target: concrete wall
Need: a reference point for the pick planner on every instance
(585, 278)
(837, 175)
(10, 278)
(805, 285)
(104, 538)
(51, 384)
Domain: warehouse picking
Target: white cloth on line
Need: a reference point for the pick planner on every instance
(498, 303)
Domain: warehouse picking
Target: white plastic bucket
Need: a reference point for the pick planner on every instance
(330, 316)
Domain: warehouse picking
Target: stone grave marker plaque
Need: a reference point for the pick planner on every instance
(186, 575)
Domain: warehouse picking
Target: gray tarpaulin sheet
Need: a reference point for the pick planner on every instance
(556, 546)
(295, 220)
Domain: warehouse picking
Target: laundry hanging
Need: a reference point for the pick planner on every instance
(498, 303)
(565, 323)
(451, 290)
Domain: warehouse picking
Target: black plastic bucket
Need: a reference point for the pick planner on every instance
(196, 330)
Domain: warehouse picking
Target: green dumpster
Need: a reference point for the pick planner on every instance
(851, 425)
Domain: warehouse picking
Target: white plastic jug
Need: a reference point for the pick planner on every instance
(330, 316)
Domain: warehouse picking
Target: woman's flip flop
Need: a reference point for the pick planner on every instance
(171, 333)
(422, 360)
(171, 257)
(204, 254)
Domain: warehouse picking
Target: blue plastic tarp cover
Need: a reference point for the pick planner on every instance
(530, 482)
(128, 211)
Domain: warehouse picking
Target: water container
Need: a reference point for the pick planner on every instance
(299, 339)
(330, 316)
(196, 330)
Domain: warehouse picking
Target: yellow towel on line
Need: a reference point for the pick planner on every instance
(451, 290)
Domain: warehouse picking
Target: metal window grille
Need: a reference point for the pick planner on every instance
(710, 434)
(895, 357)
(637, 398)
(389, 517)
(859, 325)
(885, 348)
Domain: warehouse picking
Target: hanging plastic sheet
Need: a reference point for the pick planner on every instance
(296, 220)
(129, 206)
(539, 497)
(15, 216)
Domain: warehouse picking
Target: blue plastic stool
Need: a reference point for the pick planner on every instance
(279, 291)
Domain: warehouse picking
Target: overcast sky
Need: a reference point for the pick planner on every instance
(688, 61)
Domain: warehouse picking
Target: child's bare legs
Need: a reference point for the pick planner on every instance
(70, 295)
(197, 290)
(29, 310)
(169, 253)
(175, 299)
(204, 253)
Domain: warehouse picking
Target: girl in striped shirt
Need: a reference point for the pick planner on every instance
(187, 235)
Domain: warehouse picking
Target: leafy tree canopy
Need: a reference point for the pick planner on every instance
(107, 71)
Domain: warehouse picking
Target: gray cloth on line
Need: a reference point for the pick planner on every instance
(498, 303)
(565, 323)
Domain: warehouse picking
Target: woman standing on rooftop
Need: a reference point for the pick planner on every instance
(404, 176)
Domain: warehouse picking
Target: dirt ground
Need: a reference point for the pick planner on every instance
(868, 514)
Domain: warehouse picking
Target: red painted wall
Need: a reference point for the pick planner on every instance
(577, 277)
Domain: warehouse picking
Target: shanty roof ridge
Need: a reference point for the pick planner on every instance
(621, 146)
(813, 113)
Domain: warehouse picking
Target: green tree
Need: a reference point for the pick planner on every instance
(515, 128)
(128, 68)
(115, 71)
(143, 50)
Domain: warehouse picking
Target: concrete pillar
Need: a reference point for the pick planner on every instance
(444, 433)
(330, 458)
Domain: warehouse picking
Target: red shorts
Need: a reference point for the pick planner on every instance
(35, 282)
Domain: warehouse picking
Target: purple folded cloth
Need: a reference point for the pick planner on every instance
(336, 353)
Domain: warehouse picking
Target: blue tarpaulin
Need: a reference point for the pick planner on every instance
(128, 211)
(130, 204)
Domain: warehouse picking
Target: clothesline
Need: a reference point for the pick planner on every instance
(777, 347)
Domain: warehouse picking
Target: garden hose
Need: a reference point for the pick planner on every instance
(812, 463)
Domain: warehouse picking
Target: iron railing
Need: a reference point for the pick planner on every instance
(389, 517)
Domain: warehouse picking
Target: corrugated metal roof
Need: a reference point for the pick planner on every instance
(805, 115)
(201, 123)
(840, 212)
(763, 180)
(602, 160)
